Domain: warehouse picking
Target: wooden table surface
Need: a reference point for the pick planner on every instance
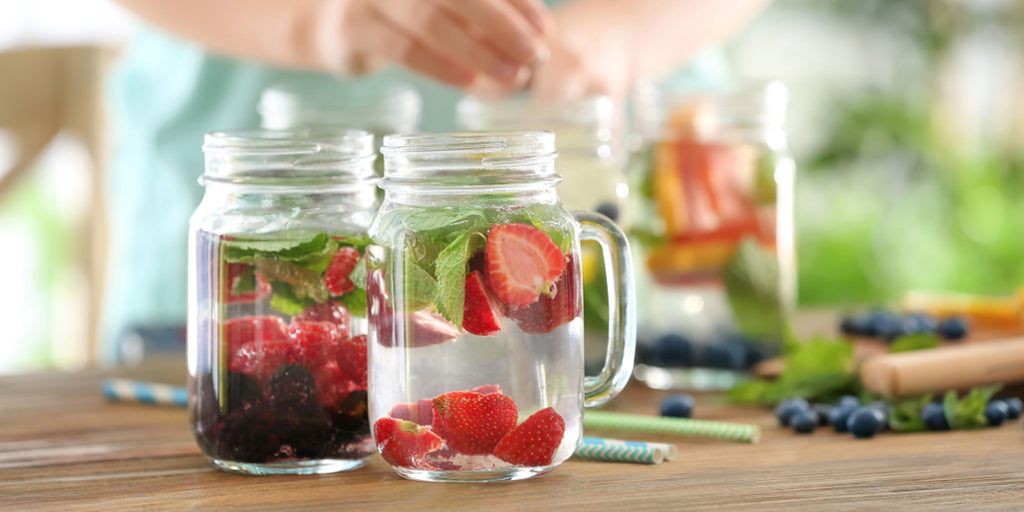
(63, 446)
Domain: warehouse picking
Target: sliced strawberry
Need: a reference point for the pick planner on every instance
(550, 312)
(534, 441)
(332, 385)
(329, 311)
(472, 423)
(234, 273)
(404, 443)
(352, 359)
(422, 412)
(521, 263)
(481, 314)
(342, 264)
(315, 342)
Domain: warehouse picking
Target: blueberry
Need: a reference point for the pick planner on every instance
(865, 422)
(855, 325)
(824, 411)
(883, 408)
(934, 417)
(725, 355)
(610, 210)
(672, 350)
(995, 412)
(677, 406)
(848, 401)
(953, 328)
(1014, 407)
(839, 416)
(788, 408)
(883, 324)
(919, 323)
(804, 421)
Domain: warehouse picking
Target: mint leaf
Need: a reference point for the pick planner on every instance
(304, 282)
(547, 218)
(276, 248)
(318, 261)
(451, 274)
(420, 286)
(359, 242)
(355, 302)
(444, 221)
(752, 288)
(358, 274)
(244, 282)
(914, 342)
(819, 367)
(754, 391)
(285, 301)
(906, 414)
(968, 412)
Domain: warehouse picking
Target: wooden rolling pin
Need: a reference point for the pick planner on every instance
(945, 368)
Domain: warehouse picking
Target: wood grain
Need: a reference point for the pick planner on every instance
(63, 447)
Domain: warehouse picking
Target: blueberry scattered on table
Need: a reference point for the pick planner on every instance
(934, 417)
(995, 412)
(677, 406)
(672, 349)
(788, 408)
(953, 328)
(839, 416)
(919, 323)
(885, 324)
(865, 422)
(1014, 407)
(804, 421)
(848, 401)
(823, 411)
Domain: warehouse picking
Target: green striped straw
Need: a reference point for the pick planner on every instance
(679, 426)
(614, 450)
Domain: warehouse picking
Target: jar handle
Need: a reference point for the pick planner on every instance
(618, 264)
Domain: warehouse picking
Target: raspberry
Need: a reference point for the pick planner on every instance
(352, 359)
(242, 330)
(260, 359)
(342, 264)
(329, 311)
(314, 342)
(332, 386)
(234, 273)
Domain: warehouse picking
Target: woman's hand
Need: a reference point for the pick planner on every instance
(457, 42)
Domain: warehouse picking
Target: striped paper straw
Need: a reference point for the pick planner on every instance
(615, 450)
(124, 390)
(680, 426)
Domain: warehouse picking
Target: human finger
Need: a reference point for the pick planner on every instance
(498, 23)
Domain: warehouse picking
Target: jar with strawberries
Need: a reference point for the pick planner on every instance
(277, 301)
(718, 276)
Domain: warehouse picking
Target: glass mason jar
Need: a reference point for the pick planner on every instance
(718, 282)
(277, 301)
(474, 300)
(591, 157)
(350, 105)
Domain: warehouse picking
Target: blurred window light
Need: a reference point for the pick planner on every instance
(63, 23)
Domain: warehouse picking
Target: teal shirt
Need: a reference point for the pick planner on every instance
(164, 95)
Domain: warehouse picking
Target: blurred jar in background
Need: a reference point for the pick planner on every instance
(592, 156)
(588, 137)
(714, 224)
(353, 105)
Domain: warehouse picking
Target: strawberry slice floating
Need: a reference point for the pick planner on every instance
(551, 311)
(481, 315)
(534, 441)
(521, 262)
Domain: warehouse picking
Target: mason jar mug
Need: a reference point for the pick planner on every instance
(474, 306)
(277, 301)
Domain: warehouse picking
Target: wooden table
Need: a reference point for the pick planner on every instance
(63, 446)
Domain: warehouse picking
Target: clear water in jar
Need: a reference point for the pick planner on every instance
(278, 354)
(491, 393)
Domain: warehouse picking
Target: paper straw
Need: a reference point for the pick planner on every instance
(146, 392)
(615, 450)
(680, 426)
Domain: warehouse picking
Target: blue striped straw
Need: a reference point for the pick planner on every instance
(124, 390)
(614, 450)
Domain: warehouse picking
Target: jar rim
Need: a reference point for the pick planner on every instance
(397, 106)
(540, 143)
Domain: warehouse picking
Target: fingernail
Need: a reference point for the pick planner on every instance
(507, 72)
